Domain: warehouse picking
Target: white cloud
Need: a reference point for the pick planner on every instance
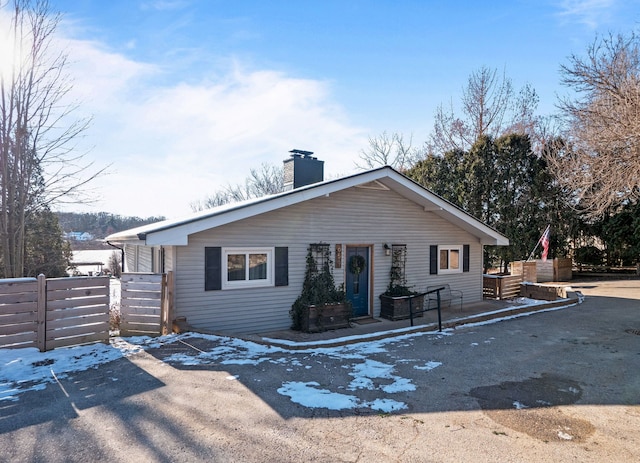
(589, 12)
(172, 144)
(102, 78)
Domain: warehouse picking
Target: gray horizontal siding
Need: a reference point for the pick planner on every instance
(145, 259)
(354, 216)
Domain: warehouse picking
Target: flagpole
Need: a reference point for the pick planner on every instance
(538, 243)
(534, 250)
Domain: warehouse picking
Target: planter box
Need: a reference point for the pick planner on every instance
(326, 317)
(397, 307)
(543, 293)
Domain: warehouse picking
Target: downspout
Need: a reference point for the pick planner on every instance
(121, 255)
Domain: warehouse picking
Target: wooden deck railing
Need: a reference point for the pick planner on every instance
(501, 286)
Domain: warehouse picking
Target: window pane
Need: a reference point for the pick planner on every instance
(257, 266)
(236, 267)
(454, 257)
(444, 259)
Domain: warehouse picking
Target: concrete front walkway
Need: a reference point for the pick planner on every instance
(370, 329)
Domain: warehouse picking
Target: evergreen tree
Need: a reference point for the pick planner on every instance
(620, 233)
(504, 184)
(46, 251)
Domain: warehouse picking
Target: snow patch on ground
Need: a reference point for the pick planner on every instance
(28, 369)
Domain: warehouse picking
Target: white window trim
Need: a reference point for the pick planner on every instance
(448, 249)
(269, 281)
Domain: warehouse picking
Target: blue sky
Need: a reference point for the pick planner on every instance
(187, 95)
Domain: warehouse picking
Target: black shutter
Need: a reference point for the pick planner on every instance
(465, 258)
(282, 267)
(433, 260)
(212, 269)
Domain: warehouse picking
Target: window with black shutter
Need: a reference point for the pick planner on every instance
(448, 259)
(235, 268)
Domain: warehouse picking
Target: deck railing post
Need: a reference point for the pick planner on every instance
(410, 311)
(437, 291)
(439, 313)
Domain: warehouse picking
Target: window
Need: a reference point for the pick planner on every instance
(238, 268)
(449, 259)
(247, 267)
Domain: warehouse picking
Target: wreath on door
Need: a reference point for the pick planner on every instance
(356, 264)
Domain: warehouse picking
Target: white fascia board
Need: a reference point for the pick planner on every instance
(126, 236)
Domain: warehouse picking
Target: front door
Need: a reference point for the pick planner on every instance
(357, 279)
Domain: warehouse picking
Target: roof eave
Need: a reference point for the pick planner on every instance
(177, 232)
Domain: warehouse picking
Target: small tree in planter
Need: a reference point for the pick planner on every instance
(394, 302)
(321, 305)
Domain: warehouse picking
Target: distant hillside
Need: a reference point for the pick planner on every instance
(98, 224)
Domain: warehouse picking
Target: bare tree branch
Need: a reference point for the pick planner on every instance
(603, 164)
(489, 107)
(388, 150)
(266, 180)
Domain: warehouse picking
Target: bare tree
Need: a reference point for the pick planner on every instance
(266, 180)
(489, 106)
(602, 165)
(388, 150)
(37, 164)
(115, 264)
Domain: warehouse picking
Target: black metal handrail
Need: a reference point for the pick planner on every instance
(411, 312)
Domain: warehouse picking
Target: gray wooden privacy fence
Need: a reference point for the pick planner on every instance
(53, 312)
(146, 303)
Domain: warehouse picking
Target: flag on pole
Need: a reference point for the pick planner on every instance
(544, 239)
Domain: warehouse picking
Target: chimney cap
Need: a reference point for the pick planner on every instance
(296, 152)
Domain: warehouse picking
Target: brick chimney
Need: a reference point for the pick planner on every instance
(302, 169)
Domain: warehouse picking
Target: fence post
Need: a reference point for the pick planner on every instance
(42, 313)
(166, 318)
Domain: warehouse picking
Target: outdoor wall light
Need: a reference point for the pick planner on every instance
(387, 249)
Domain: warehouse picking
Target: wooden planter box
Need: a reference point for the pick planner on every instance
(397, 307)
(542, 292)
(326, 317)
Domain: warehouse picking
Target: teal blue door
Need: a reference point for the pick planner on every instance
(357, 279)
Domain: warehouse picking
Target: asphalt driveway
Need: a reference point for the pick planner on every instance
(562, 385)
